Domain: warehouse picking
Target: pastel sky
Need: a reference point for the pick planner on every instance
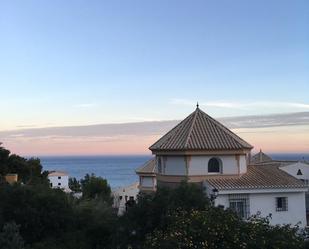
(79, 63)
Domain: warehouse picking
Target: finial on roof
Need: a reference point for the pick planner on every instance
(197, 105)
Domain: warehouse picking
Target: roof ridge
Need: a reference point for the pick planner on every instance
(191, 127)
(199, 131)
(227, 130)
(169, 134)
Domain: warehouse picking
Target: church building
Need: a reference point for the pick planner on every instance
(201, 150)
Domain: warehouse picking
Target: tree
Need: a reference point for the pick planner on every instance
(74, 184)
(152, 211)
(184, 218)
(96, 187)
(10, 237)
(40, 211)
(29, 170)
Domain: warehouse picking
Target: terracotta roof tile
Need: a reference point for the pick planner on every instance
(260, 157)
(148, 167)
(257, 177)
(199, 131)
(58, 173)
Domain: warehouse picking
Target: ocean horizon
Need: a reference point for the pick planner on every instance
(119, 170)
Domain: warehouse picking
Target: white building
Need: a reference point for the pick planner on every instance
(299, 170)
(59, 179)
(203, 151)
(124, 194)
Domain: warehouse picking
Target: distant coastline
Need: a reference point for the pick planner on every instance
(119, 170)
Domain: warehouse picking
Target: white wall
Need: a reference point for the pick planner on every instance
(265, 203)
(292, 169)
(198, 165)
(242, 164)
(147, 181)
(122, 195)
(174, 165)
(64, 181)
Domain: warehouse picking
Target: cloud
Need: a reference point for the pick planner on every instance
(153, 128)
(85, 105)
(271, 120)
(277, 132)
(243, 105)
(221, 104)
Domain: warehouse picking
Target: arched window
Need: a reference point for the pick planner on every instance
(214, 165)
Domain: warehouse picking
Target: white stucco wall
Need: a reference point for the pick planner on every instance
(265, 203)
(198, 165)
(147, 181)
(122, 195)
(292, 169)
(242, 164)
(174, 165)
(64, 181)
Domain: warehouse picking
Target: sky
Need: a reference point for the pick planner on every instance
(80, 63)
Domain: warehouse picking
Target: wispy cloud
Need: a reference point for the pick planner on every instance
(223, 104)
(290, 130)
(243, 105)
(85, 105)
(153, 128)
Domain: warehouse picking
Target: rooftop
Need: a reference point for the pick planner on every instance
(257, 177)
(58, 173)
(199, 131)
(260, 158)
(148, 167)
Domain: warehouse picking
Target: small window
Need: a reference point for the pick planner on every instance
(59, 177)
(51, 185)
(299, 173)
(240, 205)
(120, 197)
(214, 165)
(59, 183)
(281, 204)
(159, 165)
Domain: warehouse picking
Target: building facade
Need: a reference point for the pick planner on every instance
(59, 179)
(201, 150)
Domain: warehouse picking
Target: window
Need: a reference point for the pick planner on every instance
(240, 205)
(299, 173)
(159, 165)
(59, 183)
(281, 204)
(214, 165)
(59, 177)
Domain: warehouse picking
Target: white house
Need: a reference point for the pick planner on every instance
(203, 151)
(299, 170)
(59, 179)
(124, 194)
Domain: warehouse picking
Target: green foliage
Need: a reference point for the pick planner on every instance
(183, 218)
(40, 211)
(180, 218)
(96, 187)
(215, 228)
(153, 211)
(74, 184)
(10, 237)
(29, 170)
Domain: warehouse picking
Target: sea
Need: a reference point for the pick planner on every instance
(118, 170)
